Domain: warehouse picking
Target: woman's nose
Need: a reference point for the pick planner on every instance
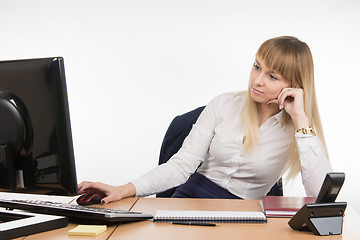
(259, 80)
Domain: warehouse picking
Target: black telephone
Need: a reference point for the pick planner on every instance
(325, 216)
(331, 187)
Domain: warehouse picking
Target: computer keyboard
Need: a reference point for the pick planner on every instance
(81, 213)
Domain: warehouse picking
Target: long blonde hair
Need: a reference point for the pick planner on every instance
(291, 58)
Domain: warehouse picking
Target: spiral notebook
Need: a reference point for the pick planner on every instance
(210, 216)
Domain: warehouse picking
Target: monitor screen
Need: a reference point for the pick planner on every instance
(36, 149)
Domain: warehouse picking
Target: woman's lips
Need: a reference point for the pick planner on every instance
(256, 91)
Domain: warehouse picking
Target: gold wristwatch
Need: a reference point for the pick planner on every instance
(307, 130)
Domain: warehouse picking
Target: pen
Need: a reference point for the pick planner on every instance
(195, 224)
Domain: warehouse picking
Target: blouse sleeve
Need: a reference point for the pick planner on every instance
(314, 162)
(181, 165)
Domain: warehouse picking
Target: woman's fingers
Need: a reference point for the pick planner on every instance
(93, 187)
(276, 101)
(108, 199)
(289, 95)
(282, 96)
(82, 187)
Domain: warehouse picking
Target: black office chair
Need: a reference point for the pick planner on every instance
(174, 137)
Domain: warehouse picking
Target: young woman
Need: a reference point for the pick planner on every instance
(245, 141)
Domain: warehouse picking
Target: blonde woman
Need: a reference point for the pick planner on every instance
(246, 141)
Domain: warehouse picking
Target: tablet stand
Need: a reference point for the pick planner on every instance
(320, 218)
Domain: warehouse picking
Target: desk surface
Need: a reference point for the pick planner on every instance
(276, 228)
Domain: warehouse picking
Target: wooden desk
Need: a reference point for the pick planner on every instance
(276, 228)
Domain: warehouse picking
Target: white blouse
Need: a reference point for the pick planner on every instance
(216, 141)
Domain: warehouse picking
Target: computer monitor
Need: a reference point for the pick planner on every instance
(36, 149)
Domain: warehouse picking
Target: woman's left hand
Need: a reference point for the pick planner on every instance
(292, 101)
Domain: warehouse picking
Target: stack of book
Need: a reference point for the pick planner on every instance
(279, 206)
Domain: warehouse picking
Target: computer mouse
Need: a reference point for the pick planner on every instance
(88, 199)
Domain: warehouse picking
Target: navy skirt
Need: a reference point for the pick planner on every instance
(199, 186)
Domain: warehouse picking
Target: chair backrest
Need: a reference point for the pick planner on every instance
(176, 133)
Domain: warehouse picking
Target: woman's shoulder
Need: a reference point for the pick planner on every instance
(230, 97)
(229, 102)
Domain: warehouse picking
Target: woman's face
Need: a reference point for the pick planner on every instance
(265, 85)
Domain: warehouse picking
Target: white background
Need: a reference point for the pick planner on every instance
(134, 65)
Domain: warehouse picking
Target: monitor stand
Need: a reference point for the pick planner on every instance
(8, 167)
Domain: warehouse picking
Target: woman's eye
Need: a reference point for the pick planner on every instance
(273, 77)
(256, 66)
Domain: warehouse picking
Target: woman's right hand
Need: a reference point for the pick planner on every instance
(109, 193)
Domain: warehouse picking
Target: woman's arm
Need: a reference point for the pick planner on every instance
(314, 162)
(312, 154)
(170, 174)
(181, 165)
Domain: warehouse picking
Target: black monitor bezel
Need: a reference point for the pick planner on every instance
(55, 71)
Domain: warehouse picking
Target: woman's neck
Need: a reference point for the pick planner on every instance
(265, 111)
